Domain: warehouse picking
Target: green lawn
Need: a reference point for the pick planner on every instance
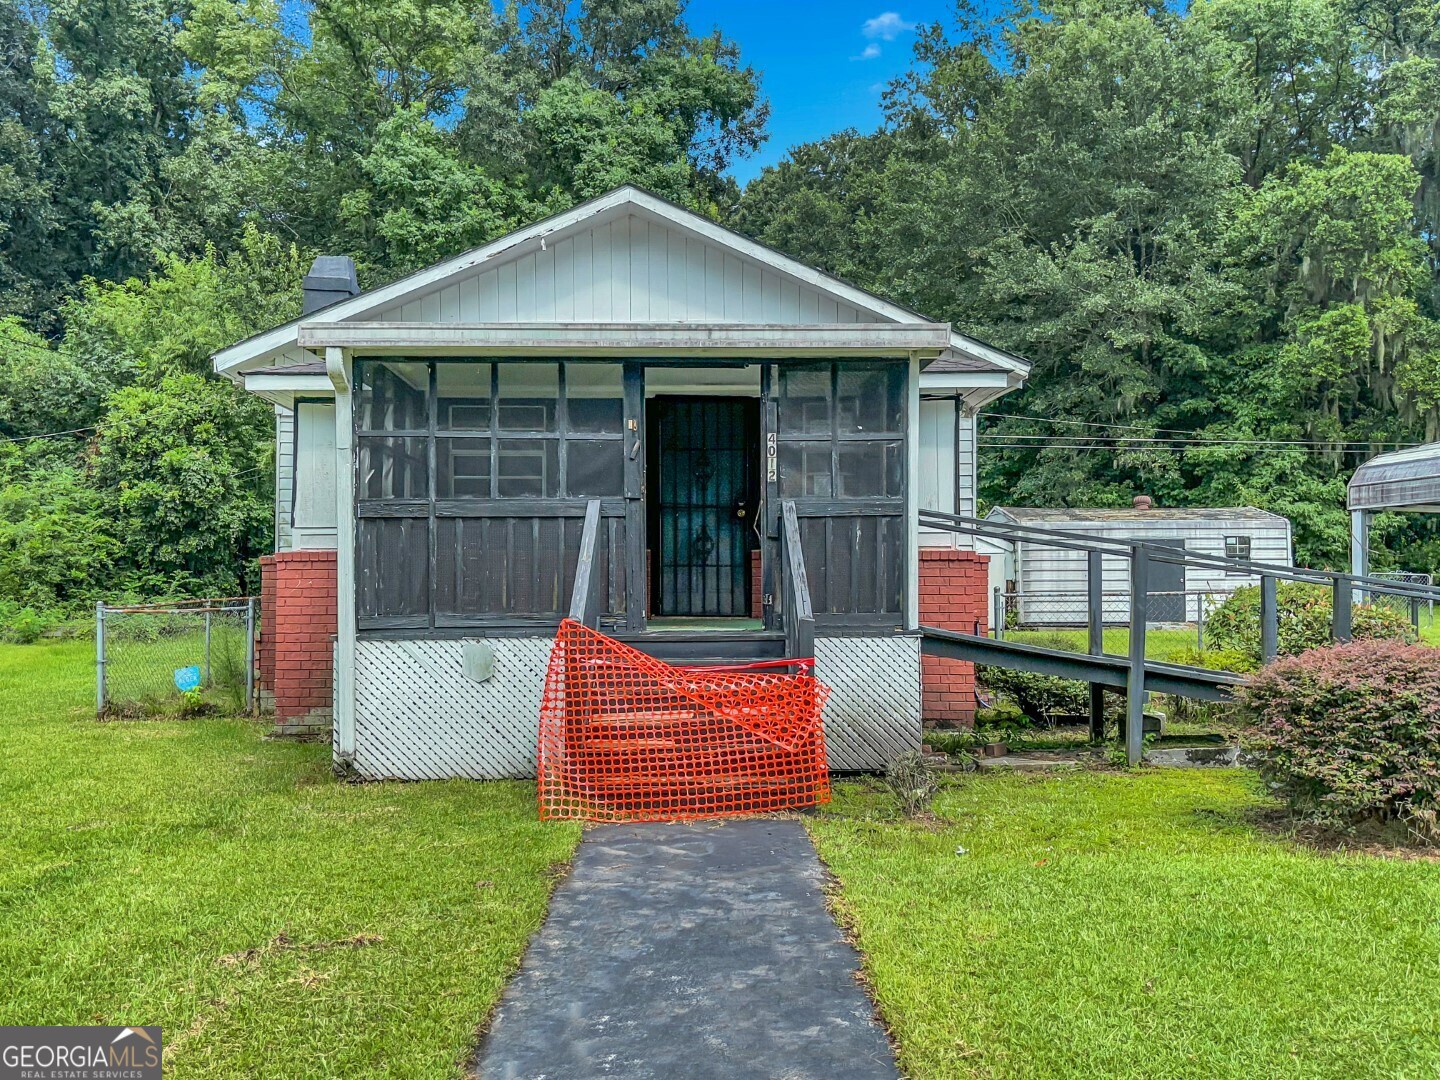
(271, 920)
(1159, 644)
(1133, 925)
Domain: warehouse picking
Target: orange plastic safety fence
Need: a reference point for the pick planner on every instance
(626, 737)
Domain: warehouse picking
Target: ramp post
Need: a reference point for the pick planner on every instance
(1135, 686)
(1340, 629)
(1269, 620)
(1096, 606)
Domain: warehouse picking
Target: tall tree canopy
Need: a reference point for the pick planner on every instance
(1213, 226)
(1213, 230)
(169, 167)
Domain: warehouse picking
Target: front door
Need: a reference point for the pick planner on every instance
(1167, 587)
(703, 505)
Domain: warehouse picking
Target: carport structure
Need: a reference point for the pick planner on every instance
(1404, 480)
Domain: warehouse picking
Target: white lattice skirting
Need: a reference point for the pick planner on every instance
(417, 716)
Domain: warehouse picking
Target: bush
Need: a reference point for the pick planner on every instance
(1216, 659)
(1352, 731)
(1304, 618)
(23, 627)
(1042, 698)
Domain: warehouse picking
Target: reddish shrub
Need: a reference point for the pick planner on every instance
(1353, 731)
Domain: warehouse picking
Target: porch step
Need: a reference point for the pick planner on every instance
(708, 647)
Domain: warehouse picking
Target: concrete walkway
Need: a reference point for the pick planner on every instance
(688, 951)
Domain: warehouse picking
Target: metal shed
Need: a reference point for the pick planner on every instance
(1040, 585)
(1405, 480)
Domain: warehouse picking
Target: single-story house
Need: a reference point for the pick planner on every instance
(441, 439)
(1041, 585)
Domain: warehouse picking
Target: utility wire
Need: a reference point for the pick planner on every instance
(1184, 435)
(47, 435)
(1116, 448)
(1091, 440)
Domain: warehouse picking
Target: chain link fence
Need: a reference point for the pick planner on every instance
(1176, 630)
(1420, 612)
(1177, 627)
(182, 657)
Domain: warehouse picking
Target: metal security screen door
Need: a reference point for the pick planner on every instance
(703, 505)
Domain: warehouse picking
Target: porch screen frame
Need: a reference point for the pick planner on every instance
(825, 520)
(557, 518)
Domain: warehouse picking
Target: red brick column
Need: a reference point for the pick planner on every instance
(954, 595)
(304, 609)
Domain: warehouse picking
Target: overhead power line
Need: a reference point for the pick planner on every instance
(1175, 435)
(47, 435)
(1115, 448)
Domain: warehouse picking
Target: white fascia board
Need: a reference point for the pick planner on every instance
(964, 380)
(626, 339)
(289, 384)
(516, 243)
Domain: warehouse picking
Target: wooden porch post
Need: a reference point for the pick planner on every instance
(636, 571)
(339, 367)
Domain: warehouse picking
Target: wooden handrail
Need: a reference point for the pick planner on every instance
(585, 599)
(795, 587)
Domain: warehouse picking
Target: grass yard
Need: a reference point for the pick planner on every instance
(272, 920)
(1133, 925)
(1159, 644)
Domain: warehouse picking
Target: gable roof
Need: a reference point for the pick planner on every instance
(407, 297)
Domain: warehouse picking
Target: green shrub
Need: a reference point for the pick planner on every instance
(1304, 621)
(1215, 659)
(1352, 731)
(24, 627)
(1042, 698)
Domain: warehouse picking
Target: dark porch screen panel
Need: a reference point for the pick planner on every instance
(841, 455)
(472, 485)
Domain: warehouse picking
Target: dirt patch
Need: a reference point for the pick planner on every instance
(282, 942)
(1381, 839)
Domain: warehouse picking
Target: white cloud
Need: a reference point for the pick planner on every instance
(870, 52)
(886, 26)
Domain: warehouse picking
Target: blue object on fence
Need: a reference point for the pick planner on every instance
(187, 678)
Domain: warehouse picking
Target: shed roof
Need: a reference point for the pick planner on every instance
(1401, 479)
(1033, 515)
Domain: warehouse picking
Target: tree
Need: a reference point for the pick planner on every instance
(183, 471)
(1209, 229)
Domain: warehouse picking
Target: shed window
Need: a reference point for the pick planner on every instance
(472, 483)
(1237, 547)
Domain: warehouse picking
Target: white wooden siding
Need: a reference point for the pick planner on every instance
(315, 505)
(284, 475)
(631, 269)
(935, 483)
(946, 477)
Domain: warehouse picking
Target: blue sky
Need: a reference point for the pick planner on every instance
(822, 65)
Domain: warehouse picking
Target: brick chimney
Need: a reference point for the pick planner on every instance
(1142, 502)
(330, 280)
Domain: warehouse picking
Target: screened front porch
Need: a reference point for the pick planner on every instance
(473, 477)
